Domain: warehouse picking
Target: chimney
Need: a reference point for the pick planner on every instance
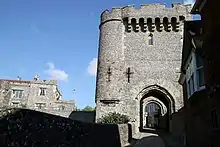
(18, 78)
(36, 77)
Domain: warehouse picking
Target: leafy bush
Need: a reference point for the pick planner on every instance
(114, 118)
(88, 108)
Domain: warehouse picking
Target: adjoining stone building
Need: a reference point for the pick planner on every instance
(139, 63)
(200, 78)
(40, 95)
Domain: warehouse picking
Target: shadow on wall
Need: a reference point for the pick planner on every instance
(155, 141)
(84, 116)
(23, 127)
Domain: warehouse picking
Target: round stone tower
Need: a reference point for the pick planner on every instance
(139, 61)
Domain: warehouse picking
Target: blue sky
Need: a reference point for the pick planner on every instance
(56, 39)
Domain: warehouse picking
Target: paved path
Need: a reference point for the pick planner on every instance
(149, 140)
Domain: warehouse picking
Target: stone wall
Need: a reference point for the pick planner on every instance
(178, 126)
(201, 129)
(30, 98)
(150, 64)
(177, 122)
(23, 127)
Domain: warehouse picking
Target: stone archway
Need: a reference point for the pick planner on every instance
(152, 109)
(160, 98)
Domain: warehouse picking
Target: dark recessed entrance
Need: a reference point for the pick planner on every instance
(155, 111)
(152, 114)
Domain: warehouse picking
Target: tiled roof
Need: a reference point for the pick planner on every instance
(16, 81)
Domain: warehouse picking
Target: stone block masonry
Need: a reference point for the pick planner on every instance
(140, 49)
(40, 95)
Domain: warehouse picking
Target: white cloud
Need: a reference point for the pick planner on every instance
(56, 74)
(92, 68)
(189, 2)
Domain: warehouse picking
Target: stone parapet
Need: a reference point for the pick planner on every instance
(145, 10)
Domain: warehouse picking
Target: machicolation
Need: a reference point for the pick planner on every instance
(149, 17)
(140, 48)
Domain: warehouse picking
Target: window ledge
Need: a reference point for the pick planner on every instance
(215, 129)
(112, 101)
(16, 98)
(200, 89)
(197, 96)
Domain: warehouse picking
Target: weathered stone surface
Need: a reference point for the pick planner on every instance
(31, 97)
(124, 43)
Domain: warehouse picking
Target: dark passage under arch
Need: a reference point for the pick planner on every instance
(152, 112)
(156, 106)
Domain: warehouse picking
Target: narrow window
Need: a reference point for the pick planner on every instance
(125, 22)
(215, 119)
(190, 78)
(157, 24)
(174, 24)
(150, 24)
(133, 24)
(42, 91)
(166, 24)
(150, 39)
(191, 87)
(200, 72)
(142, 25)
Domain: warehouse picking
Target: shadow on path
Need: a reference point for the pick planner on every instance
(149, 140)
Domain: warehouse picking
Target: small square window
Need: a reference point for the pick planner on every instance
(17, 93)
(40, 105)
(61, 108)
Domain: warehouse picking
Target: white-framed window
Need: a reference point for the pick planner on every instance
(42, 91)
(40, 105)
(194, 74)
(17, 93)
(200, 72)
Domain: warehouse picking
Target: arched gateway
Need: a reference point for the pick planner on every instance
(156, 105)
(140, 55)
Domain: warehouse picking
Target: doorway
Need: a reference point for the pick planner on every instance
(152, 114)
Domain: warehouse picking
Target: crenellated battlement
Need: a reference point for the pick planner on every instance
(139, 69)
(153, 24)
(145, 11)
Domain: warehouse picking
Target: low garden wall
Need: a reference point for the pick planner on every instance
(28, 128)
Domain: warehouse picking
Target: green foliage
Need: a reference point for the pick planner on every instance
(114, 118)
(88, 108)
